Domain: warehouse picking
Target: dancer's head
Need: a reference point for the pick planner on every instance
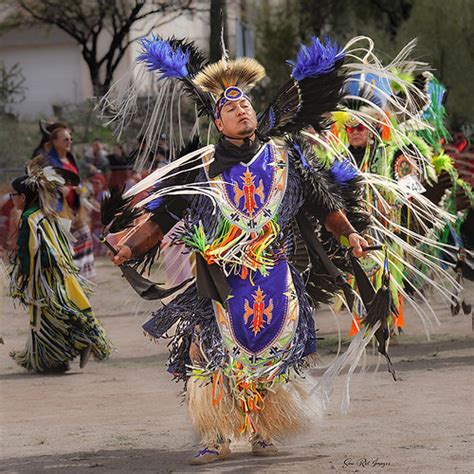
(228, 82)
(23, 195)
(358, 135)
(237, 119)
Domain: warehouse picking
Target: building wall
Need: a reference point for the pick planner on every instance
(51, 65)
(56, 73)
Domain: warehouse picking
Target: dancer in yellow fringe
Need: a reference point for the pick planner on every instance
(45, 279)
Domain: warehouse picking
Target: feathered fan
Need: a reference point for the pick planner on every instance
(378, 307)
(313, 91)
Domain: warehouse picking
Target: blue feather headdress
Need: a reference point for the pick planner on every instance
(372, 87)
(160, 55)
(316, 59)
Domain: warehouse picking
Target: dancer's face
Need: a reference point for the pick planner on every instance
(18, 200)
(63, 142)
(237, 119)
(358, 135)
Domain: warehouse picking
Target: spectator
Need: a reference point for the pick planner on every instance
(96, 159)
(72, 206)
(119, 165)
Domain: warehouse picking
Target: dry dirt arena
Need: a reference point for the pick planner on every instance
(125, 415)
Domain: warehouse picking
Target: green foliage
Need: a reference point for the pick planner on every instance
(445, 39)
(276, 42)
(444, 30)
(17, 143)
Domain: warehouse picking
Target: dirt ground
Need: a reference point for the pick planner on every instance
(125, 415)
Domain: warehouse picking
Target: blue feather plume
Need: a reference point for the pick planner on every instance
(159, 55)
(154, 204)
(316, 59)
(343, 171)
(375, 88)
(303, 159)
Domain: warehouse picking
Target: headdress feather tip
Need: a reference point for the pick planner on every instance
(316, 59)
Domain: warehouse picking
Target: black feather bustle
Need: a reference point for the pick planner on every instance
(125, 218)
(323, 194)
(112, 204)
(298, 105)
(353, 193)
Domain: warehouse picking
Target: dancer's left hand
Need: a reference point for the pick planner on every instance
(356, 241)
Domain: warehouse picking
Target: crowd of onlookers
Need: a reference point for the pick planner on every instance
(99, 166)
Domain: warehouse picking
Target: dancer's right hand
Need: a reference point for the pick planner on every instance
(124, 253)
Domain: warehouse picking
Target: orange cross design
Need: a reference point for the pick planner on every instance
(258, 311)
(248, 192)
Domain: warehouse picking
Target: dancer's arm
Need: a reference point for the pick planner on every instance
(337, 223)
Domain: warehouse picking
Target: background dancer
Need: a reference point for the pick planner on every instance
(45, 279)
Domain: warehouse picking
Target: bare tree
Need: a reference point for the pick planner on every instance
(88, 20)
(12, 89)
(218, 19)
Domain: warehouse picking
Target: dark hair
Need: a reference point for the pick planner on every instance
(55, 132)
(46, 135)
(31, 195)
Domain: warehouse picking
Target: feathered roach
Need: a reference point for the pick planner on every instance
(243, 73)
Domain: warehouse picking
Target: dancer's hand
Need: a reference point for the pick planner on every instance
(124, 253)
(356, 241)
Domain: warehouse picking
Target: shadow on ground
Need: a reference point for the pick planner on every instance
(126, 461)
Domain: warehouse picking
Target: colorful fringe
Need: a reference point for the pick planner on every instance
(283, 411)
(45, 279)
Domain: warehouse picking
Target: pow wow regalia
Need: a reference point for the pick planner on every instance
(43, 278)
(266, 223)
(401, 106)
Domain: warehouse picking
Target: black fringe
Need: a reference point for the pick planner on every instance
(322, 192)
(112, 204)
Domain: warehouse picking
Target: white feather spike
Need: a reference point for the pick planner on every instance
(160, 173)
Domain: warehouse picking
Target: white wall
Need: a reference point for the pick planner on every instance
(51, 64)
(55, 71)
